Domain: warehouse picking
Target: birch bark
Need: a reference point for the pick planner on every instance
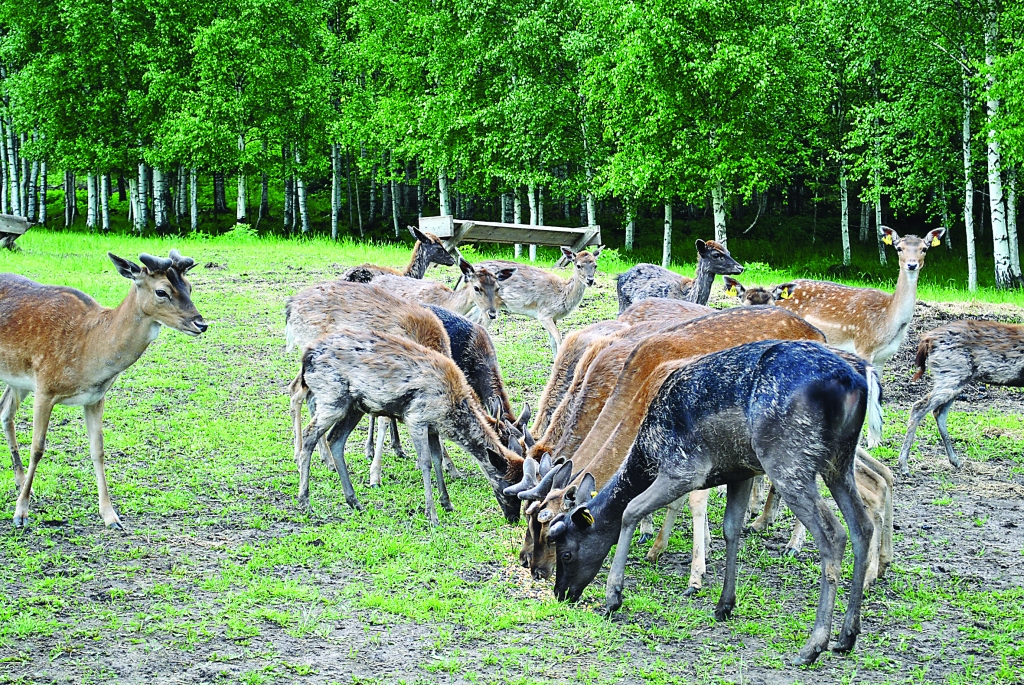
(395, 211)
(718, 206)
(105, 202)
(972, 258)
(532, 199)
(517, 217)
(442, 192)
(844, 197)
(14, 195)
(348, 182)
(335, 191)
(25, 171)
(160, 199)
(133, 201)
(4, 181)
(193, 199)
(90, 212)
(1011, 221)
(33, 189)
(42, 192)
(878, 219)
(300, 187)
(666, 245)
(630, 227)
(141, 217)
(1000, 238)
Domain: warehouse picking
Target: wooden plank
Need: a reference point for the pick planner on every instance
(13, 224)
(441, 226)
(456, 231)
(464, 228)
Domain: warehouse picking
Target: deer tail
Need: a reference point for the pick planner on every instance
(874, 406)
(924, 348)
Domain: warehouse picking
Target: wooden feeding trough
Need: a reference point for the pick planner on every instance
(11, 228)
(453, 231)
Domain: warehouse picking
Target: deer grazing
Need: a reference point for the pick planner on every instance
(63, 346)
(868, 322)
(428, 250)
(480, 290)
(759, 295)
(353, 372)
(542, 295)
(958, 354)
(649, 280)
(663, 309)
(790, 409)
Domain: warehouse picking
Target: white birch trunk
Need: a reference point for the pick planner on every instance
(43, 180)
(972, 258)
(517, 218)
(181, 195)
(666, 245)
(33, 187)
(419, 189)
(243, 192)
(442, 193)
(300, 186)
(878, 219)
(141, 217)
(540, 219)
(25, 171)
(193, 199)
(532, 199)
(1000, 238)
(12, 171)
(335, 191)
(90, 211)
(1011, 221)
(844, 198)
(105, 202)
(133, 201)
(718, 206)
(395, 211)
(630, 227)
(3, 168)
(160, 213)
(865, 221)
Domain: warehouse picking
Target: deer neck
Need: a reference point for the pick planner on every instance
(418, 263)
(628, 482)
(122, 334)
(901, 307)
(700, 289)
(469, 431)
(460, 301)
(574, 288)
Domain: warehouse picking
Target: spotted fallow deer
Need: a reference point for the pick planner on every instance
(542, 295)
(958, 354)
(867, 322)
(60, 344)
(650, 280)
(352, 372)
(480, 290)
(428, 250)
(754, 296)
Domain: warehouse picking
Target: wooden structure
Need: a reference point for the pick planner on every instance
(453, 231)
(11, 228)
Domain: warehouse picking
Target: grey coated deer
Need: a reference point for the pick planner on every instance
(649, 280)
(428, 250)
(60, 344)
(480, 291)
(792, 410)
(957, 354)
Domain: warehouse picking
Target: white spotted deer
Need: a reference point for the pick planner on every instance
(867, 322)
(60, 344)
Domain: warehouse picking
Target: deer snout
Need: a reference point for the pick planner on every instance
(912, 266)
(541, 573)
(590, 281)
(492, 313)
(196, 326)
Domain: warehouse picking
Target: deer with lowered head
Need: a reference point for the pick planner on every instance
(542, 295)
(60, 344)
(352, 372)
(428, 250)
(649, 280)
(480, 290)
(790, 409)
(957, 354)
(757, 295)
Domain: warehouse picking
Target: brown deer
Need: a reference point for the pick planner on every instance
(428, 250)
(60, 344)
(755, 296)
(663, 309)
(352, 372)
(958, 354)
(867, 322)
(650, 280)
(542, 295)
(480, 290)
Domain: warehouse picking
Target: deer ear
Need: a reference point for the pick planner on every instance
(597, 252)
(126, 268)
(889, 236)
(733, 287)
(568, 254)
(702, 248)
(418, 235)
(466, 268)
(784, 291)
(514, 446)
(506, 273)
(934, 237)
(582, 517)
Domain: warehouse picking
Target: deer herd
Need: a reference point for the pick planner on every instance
(662, 404)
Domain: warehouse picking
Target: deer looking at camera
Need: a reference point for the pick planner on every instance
(428, 250)
(649, 280)
(480, 290)
(60, 344)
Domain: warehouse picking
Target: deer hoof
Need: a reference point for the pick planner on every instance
(20, 521)
(690, 591)
(644, 538)
(790, 553)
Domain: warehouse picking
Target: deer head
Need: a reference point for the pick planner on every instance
(484, 284)
(163, 293)
(910, 248)
(586, 262)
(432, 247)
(714, 257)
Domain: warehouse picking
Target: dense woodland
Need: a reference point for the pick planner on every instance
(569, 112)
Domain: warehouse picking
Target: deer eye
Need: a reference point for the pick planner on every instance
(160, 293)
(566, 556)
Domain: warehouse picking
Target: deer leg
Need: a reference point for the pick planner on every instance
(864, 459)
(941, 414)
(701, 539)
(844, 492)
(929, 403)
(311, 436)
(660, 543)
(662, 492)
(449, 466)
(830, 537)
(646, 529)
(553, 335)
(9, 403)
(337, 439)
(768, 514)
(42, 407)
(435, 459)
(378, 452)
(796, 540)
(421, 442)
(737, 497)
(370, 454)
(94, 426)
(871, 489)
(396, 440)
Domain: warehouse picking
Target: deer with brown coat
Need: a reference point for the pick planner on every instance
(428, 250)
(480, 290)
(60, 344)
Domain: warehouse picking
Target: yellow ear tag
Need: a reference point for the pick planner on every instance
(588, 517)
(935, 241)
(887, 239)
(786, 294)
(593, 494)
(731, 292)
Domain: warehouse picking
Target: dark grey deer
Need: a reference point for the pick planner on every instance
(958, 354)
(650, 280)
(791, 410)
(428, 250)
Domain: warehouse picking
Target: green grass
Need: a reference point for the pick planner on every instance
(222, 572)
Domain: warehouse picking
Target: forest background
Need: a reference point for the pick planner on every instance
(785, 126)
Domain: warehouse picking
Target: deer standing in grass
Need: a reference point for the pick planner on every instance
(958, 354)
(649, 280)
(867, 322)
(542, 295)
(428, 250)
(60, 344)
